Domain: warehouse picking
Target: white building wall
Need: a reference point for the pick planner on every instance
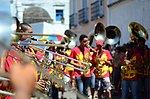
(47, 28)
(126, 11)
(18, 6)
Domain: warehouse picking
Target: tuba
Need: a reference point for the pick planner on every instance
(113, 35)
(99, 33)
(72, 38)
(109, 35)
(136, 31)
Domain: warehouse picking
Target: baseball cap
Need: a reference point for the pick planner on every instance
(99, 42)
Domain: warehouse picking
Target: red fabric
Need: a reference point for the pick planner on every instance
(77, 54)
(130, 67)
(11, 61)
(104, 55)
(99, 42)
(92, 70)
(8, 97)
(39, 55)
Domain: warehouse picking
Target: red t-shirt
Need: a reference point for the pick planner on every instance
(104, 70)
(77, 54)
(10, 61)
(131, 72)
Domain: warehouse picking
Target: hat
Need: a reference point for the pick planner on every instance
(99, 42)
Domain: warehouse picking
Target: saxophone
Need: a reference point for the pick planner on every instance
(86, 59)
(98, 71)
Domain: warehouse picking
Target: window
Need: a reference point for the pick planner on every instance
(84, 3)
(59, 15)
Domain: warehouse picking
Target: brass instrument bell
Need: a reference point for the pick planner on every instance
(113, 35)
(72, 38)
(137, 30)
(99, 32)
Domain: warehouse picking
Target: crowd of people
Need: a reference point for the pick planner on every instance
(124, 72)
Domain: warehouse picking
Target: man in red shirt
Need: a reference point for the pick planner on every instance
(81, 53)
(21, 75)
(102, 60)
(131, 61)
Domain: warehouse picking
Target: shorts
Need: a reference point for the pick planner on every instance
(102, 83)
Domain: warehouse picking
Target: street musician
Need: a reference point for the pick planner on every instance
(102, 60)
(131, 62)
(19, 73)
(80, 53)
(144, 70)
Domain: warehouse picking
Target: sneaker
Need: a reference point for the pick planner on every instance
(89, 96)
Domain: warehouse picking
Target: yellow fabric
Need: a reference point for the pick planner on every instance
(68, 52)
(69, 68)
(130, 71)
(104, 67)
(44, 38)
(83, 58)
(110, 70)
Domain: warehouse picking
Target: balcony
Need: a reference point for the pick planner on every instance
(97, 10)
(73, 20)
(113, 2)
(83, 16)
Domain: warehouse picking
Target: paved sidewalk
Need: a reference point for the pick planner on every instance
(71, 95)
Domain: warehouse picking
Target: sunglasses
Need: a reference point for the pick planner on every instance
(85, 41)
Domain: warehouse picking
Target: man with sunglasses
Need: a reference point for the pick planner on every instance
(81, 53)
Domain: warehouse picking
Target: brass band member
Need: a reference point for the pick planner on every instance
(102, 60)
(80, 53)
(131, 61)
(22, 75)
(117, 62)
(68, 70)
(144, 70)
(54, 89)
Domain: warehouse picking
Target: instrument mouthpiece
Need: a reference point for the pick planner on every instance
(91, 48)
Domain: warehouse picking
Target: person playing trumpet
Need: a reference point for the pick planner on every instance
(102, 60)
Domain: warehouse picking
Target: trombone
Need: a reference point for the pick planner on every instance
(38, 44)
(85, 63)
(49, 76)
(68, 38)
(69, 65)
(38, 34)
